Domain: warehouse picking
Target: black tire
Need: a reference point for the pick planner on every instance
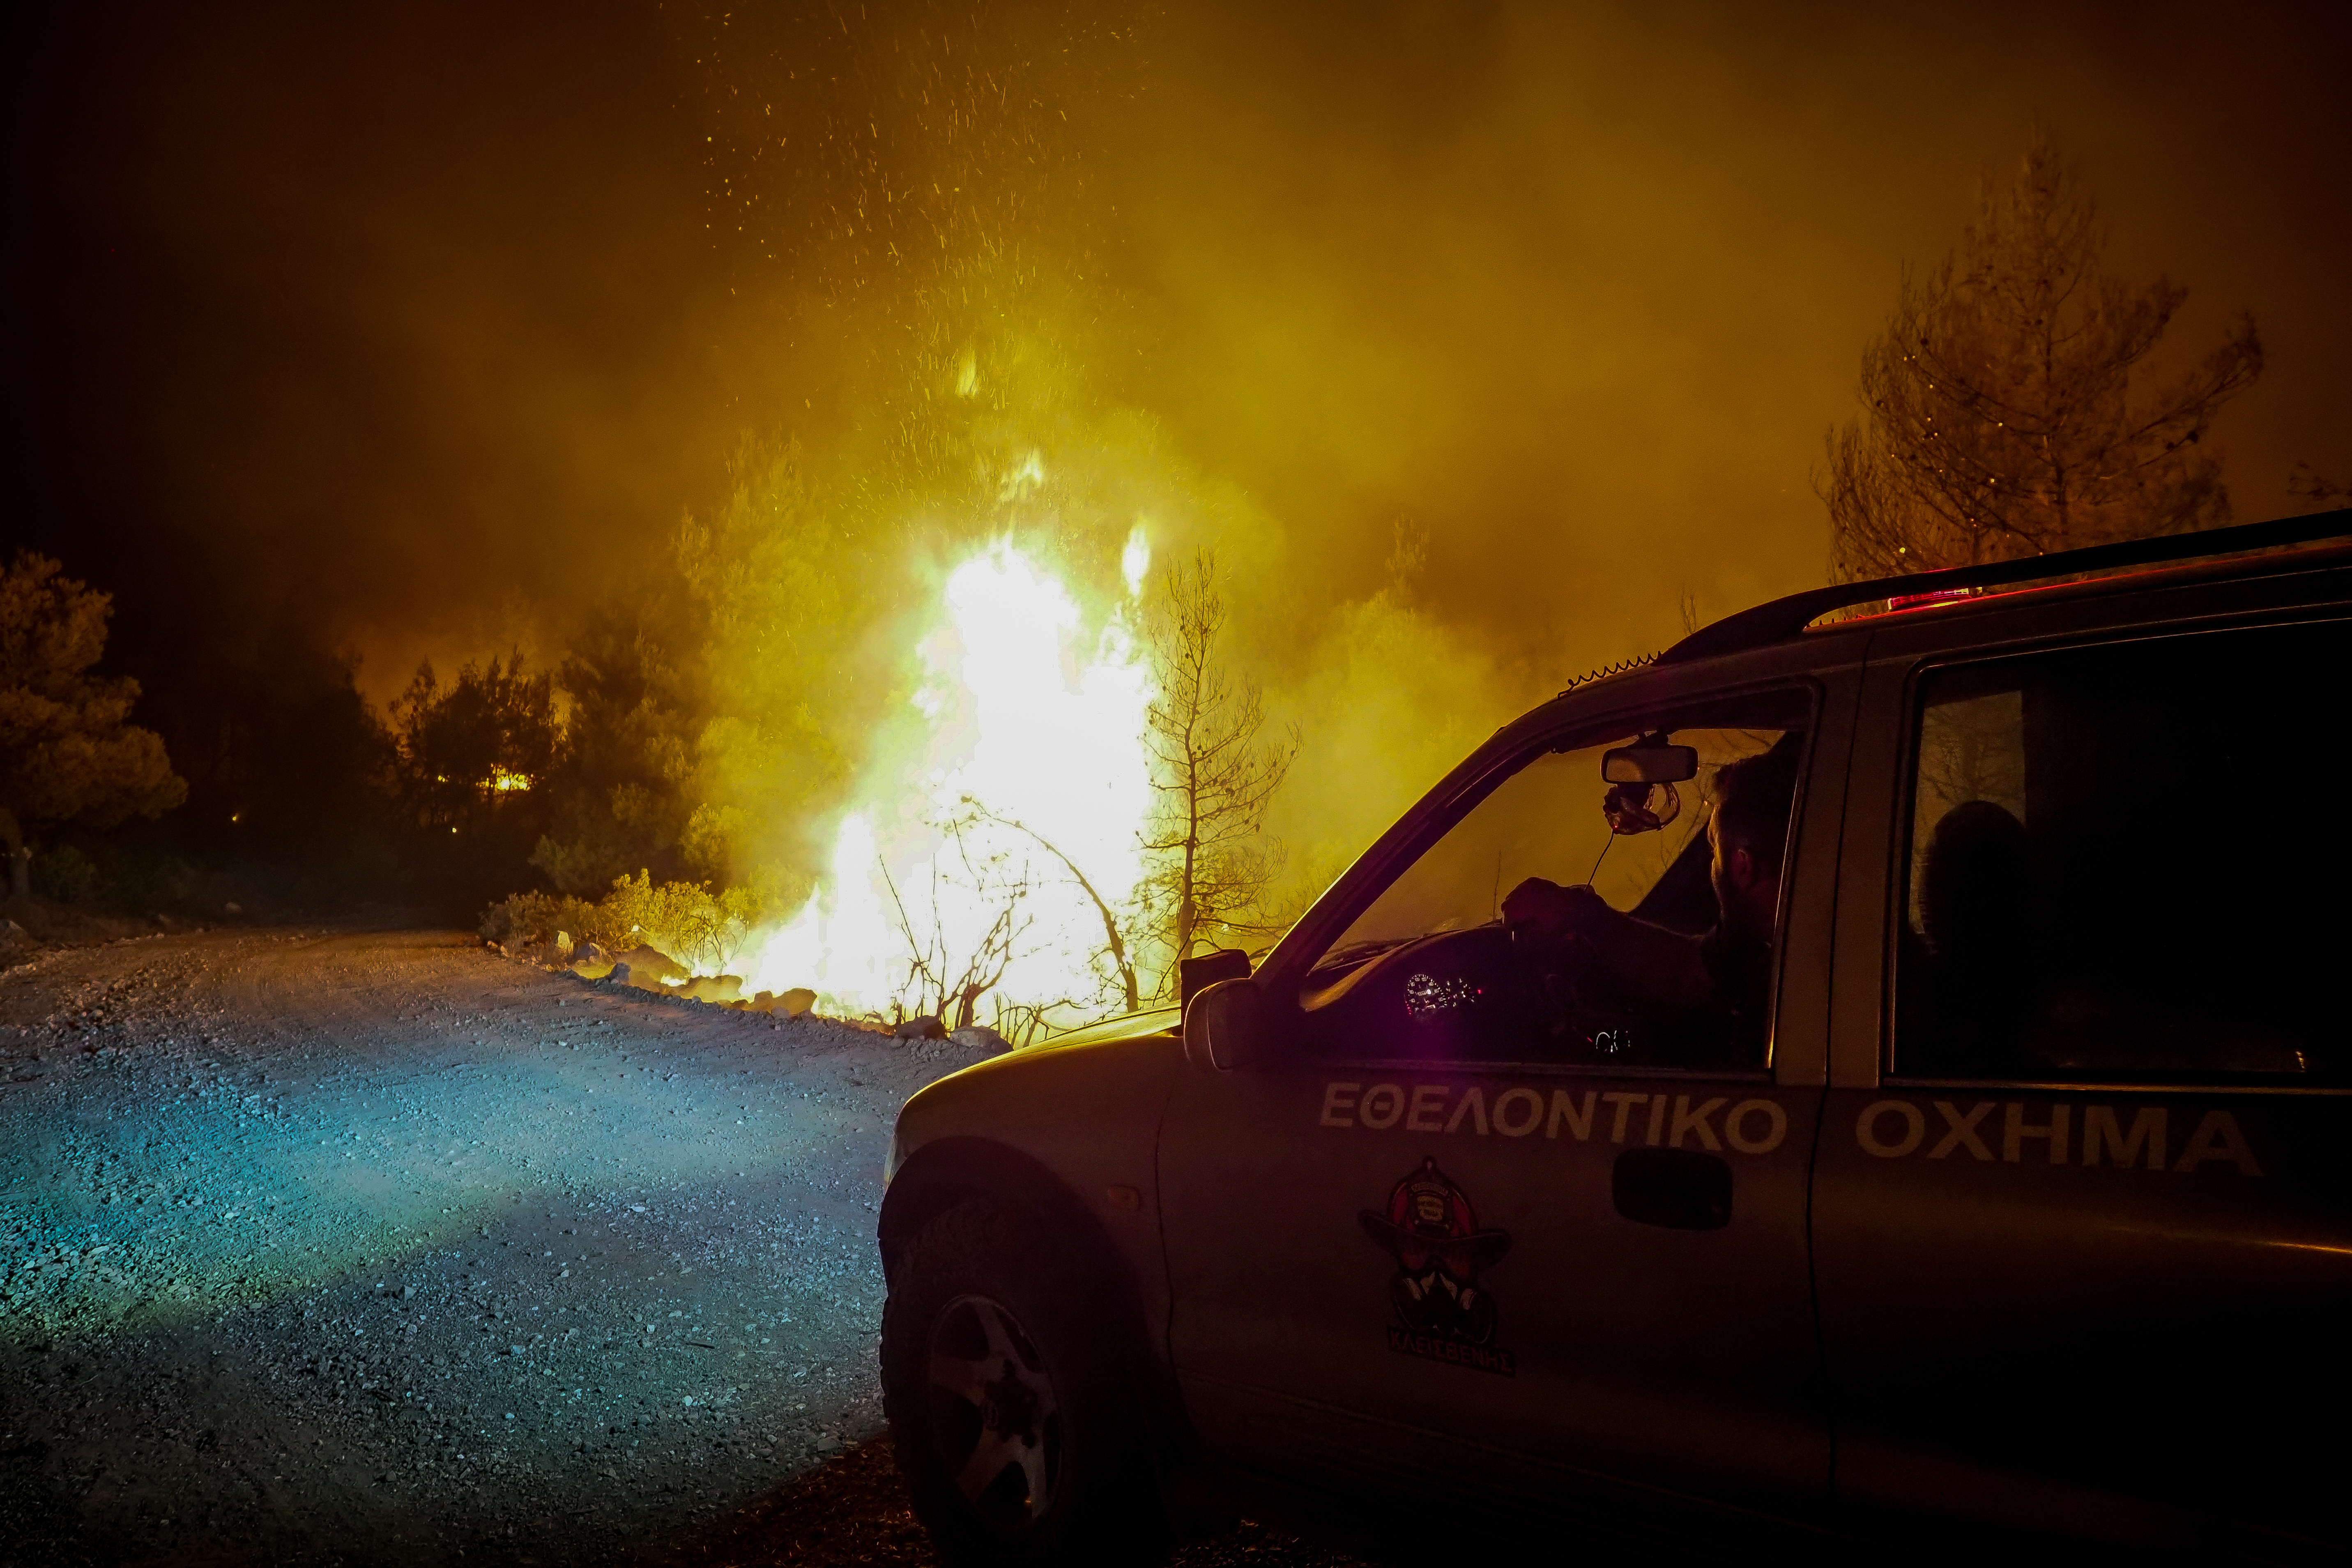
(1013, 1417)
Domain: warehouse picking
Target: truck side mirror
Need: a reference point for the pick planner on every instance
(1229, 1024)
(1195, 974)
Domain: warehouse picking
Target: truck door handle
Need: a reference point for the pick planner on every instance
(1680, 1189)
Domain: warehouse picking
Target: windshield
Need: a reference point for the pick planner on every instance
(1546, 820)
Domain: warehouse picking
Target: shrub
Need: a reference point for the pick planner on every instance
(64, 875)
(685, 920)
(535, 917)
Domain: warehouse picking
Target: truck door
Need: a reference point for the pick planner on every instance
(2083, 1245)
(1449, 1239)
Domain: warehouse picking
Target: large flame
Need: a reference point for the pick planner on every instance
(1032, 772)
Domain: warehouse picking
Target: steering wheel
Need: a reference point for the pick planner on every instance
(1575, 999)
(1486, 993)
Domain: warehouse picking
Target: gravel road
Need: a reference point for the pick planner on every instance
(375, 1247)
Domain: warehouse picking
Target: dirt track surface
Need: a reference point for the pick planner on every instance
(375, 1247)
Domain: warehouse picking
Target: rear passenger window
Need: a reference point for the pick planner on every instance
(2126, 861)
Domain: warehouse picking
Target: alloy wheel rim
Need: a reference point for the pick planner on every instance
(996, 1421)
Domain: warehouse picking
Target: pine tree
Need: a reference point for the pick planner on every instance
(2009, 406)
(68, 753)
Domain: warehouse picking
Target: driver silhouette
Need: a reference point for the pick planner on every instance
(1727, 970)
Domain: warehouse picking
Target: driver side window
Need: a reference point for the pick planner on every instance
(1564, 918)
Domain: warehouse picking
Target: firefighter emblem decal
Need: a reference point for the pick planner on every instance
(1443, 1312)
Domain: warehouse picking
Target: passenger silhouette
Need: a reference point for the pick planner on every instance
(1971, 982)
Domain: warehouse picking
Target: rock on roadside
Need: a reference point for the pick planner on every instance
(980, 1037)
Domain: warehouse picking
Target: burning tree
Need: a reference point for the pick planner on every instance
(1214, 775)
(781, 579)
(2008, 409)
(68, 753)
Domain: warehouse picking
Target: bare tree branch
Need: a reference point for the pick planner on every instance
(1113, 939)
(940, 982)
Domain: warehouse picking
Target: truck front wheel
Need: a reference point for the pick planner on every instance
(1014, 1423)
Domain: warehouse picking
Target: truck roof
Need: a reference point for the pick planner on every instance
(1783, 619)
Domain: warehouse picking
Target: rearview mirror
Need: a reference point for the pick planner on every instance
(1227, 1026)
(1649, 760)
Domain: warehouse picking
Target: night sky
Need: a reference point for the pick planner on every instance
(409, 330)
